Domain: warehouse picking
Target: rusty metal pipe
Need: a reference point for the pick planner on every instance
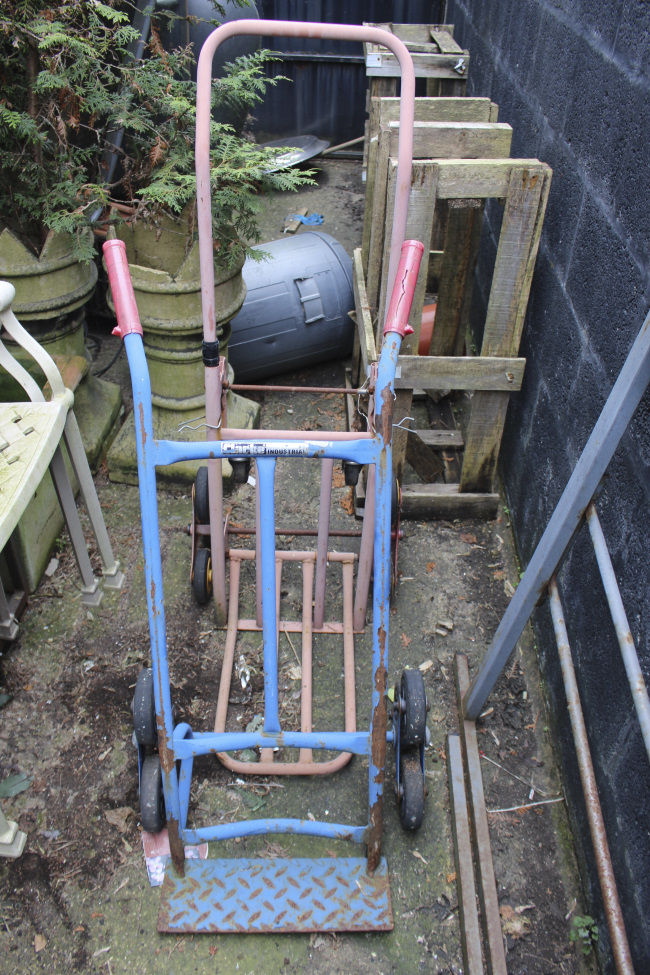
(615, 923)
(327, 469)
(365, 553)
(621, 625)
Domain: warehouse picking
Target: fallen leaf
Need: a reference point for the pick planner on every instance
(430, 567)
(338, 478)
(515, 926)
(508, 588)
(420, 857)
(39, 942)
(451, 878)
(406, 640)
(499, 574)
(295, 672)
(119, 817)
(425, 665)
(470, 539)
(311, 817)
(14, 784)
(96, 914)
(524, 907)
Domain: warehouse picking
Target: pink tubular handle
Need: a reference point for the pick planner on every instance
(119, 277)
(401, 299)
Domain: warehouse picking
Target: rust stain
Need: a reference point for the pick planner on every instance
(387, 415)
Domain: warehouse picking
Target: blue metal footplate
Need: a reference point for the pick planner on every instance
(249, 896)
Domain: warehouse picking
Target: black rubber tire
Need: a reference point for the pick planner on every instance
(413, 719)
(152, 798)
(144, 709)
(202, 581)
(395, 502)
(202, 497)
(411, 800)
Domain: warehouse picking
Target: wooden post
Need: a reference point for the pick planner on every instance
(513, 270)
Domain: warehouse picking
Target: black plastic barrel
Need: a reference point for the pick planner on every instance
(296, 308)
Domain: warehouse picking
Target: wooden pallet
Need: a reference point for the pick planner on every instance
(382, 112)
(523, 185)
(436, 57)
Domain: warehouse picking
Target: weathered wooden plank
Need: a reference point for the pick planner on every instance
(462, 179)
(383, 64)
(516, 254)
(454, 140)
(410, 33)
(422, 459)
(290, 226)
(365, 333)
(440, 439)
(444, 501)
(460, 372)
(382, 87)
(445, 42)
(437, 110)
(455, 279)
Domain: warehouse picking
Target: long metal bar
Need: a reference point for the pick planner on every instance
(621, 625)
(594, 460)
(203, 743)
(615, 924)
(250, 388)
(365, 553)
(325, 502)
(266, 476)
(261, 827)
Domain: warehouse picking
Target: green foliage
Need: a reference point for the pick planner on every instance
(69, 81)
(584, 931)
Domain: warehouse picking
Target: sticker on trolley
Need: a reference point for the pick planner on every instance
(274, 448)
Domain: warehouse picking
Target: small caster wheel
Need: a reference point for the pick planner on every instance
(351, 471)
(201, 496)
(144, 709)
(202, 579)
(241, 468)
(411, 792)
(152, 797)
(412, 710)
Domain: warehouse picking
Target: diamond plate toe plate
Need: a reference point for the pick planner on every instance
(257, 896)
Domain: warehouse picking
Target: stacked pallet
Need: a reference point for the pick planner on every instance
(460, 160)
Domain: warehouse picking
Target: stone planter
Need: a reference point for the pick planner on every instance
(167, 284)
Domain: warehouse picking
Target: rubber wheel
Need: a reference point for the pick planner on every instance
(413, 719)
(411, 800)
(202, 581)
(152, 798)
(202, 497)
(395, 502)
(144, 709)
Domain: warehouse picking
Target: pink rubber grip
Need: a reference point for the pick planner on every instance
(397, 319)
(119, 277)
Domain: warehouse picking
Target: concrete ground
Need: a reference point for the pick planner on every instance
(78, 899)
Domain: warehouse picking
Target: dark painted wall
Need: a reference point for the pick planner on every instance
(572, 78)
(326, 98)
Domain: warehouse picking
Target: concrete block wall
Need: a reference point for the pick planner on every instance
(573, 79)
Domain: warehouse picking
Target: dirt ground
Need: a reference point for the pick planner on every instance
(78, 899)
